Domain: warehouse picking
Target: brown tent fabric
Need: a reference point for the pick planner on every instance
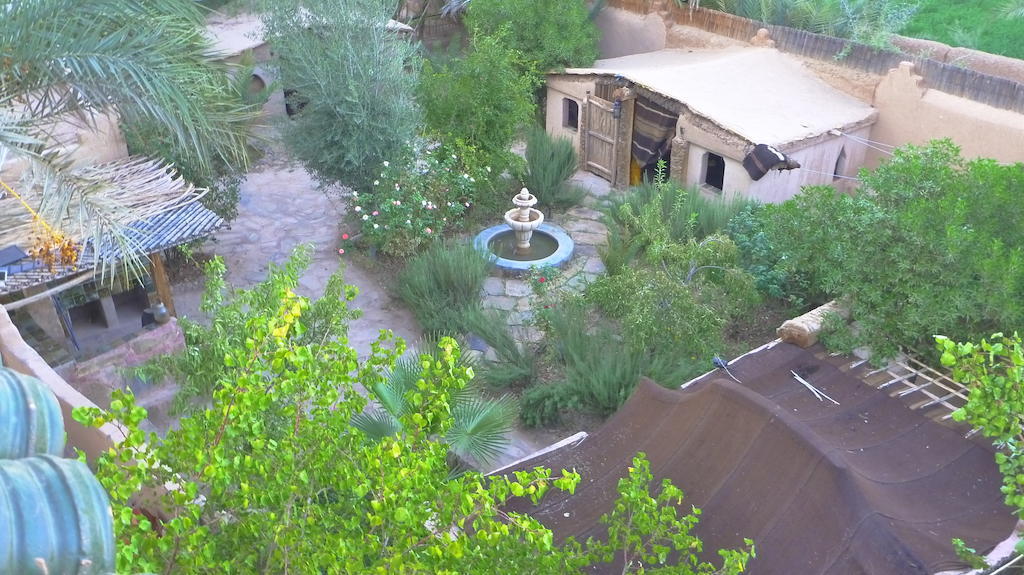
(653, 129)
(867, 487)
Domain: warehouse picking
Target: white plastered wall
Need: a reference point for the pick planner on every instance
(560, 88)
(817, 167)
(735, 182)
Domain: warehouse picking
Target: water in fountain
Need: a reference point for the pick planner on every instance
(503, 245)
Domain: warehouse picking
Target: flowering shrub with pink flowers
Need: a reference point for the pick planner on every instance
(417, 199)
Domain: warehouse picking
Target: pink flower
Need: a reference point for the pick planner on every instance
(344, 236)
(542, 279)
(375, 213)
(341, 251)
(397, 203)
(429, 231)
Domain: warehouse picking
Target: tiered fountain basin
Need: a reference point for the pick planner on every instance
(549, 246)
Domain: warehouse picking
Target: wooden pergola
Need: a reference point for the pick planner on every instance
(142, 201)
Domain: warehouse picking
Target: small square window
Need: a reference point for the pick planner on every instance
(714, 170)
(570, 114)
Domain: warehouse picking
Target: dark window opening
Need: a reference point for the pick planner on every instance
(714, 170)
(570, 114)
(840, 170)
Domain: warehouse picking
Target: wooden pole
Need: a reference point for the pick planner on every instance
(163, 287)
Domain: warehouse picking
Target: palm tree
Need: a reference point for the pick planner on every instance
(480, 426)
(79, 60)
(1013, 9)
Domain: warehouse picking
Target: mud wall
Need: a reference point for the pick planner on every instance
(17, 355)
(561, 88)
(911, 113)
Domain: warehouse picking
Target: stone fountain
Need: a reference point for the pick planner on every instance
(524, 219)
(525, 241)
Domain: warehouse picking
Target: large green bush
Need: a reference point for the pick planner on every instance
(674, 280)
(356, 78)
(481, 98)
(933, 243)
(551, 34)
(199, 367)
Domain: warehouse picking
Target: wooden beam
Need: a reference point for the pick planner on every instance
(50, 292)
(163, 287)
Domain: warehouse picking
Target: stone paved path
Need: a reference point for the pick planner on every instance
(515, 295)
(281, 208)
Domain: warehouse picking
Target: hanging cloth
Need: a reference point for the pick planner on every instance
(653, 129)
(764, 158)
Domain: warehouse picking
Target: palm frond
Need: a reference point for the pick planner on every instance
(1013, 9)
(95, 206)
(376, 424)
(481, 427)
(390, 392)
(77, 61)
(452, 8)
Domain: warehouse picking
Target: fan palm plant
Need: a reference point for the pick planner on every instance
(480, 426)
(81, 61)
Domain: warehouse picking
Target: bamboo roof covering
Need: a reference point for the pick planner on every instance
(152, 206)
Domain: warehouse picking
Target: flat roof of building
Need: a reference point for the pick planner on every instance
(760, 94)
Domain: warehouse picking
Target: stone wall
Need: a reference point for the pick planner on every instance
(98, 376)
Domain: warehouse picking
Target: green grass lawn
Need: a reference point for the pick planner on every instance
(976, 24)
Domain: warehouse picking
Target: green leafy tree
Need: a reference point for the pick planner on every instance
(482, 98)
(925, 247)
(355, 80)
(78, 59)
(200, 366)
(551, 34)
(273, 477)
(994, 372)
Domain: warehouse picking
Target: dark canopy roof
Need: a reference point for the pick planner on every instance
(865, 487)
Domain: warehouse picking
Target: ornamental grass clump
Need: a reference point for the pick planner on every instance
(550, 162)
(441, 283)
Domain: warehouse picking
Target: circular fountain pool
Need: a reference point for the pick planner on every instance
(550, 246)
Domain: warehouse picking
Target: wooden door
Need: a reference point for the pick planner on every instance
(600, 134)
